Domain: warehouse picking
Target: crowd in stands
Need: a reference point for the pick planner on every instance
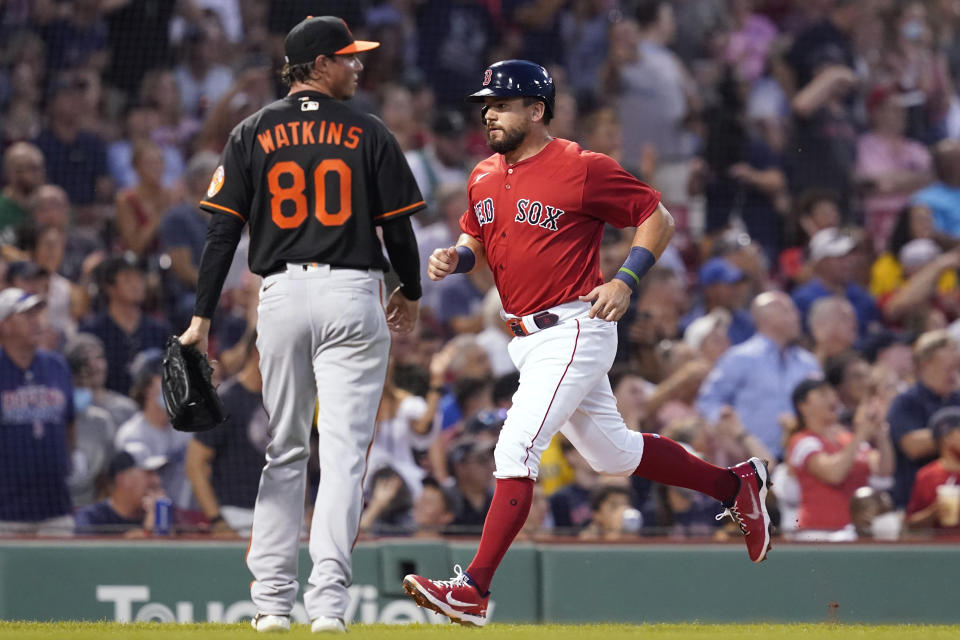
(807, 310)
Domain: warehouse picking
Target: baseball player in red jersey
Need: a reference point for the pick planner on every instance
(538, 209)
(314, 179)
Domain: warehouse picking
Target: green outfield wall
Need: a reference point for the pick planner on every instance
(208, 581)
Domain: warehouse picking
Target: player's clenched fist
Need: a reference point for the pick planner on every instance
(442, 263)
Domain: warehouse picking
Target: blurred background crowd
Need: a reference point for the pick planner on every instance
(806, 312)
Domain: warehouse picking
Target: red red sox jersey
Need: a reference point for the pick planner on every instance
(540, 221)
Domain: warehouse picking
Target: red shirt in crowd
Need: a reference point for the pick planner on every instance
(823, 506)
(540, 221)
(928, 478)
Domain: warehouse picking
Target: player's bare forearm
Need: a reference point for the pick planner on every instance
(197, 333)
(466, 240)
(656, 231)
(611, 299)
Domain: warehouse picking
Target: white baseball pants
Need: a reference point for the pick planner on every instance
(564, 388)
(322, 337)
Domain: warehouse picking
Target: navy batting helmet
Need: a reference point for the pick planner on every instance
(516, 78)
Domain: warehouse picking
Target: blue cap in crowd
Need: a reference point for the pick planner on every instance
(719, 271)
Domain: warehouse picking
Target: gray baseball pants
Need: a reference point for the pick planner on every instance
(322, 336)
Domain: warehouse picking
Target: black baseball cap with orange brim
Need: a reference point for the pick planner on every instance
(323, 35)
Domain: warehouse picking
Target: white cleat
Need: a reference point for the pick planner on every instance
(269, 623)
(324, 624)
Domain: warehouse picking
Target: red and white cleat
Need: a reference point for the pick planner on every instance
(749, 507)
(455, 598)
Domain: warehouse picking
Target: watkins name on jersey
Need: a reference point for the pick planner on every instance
(308, 132)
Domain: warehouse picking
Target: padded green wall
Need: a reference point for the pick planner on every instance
(198, 581)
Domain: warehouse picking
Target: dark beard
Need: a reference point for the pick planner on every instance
(511, 140)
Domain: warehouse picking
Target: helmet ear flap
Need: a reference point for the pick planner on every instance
(483, 115)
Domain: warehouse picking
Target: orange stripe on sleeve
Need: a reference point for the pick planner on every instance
(390, 214)
(222, 208)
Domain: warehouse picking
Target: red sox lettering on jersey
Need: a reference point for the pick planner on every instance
(535, 213)
(540, 221)
(538, 214)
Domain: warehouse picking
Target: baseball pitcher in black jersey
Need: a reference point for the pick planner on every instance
(314, 179)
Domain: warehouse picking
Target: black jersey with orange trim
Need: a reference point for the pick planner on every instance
(313, 178)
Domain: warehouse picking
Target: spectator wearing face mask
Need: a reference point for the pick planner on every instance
(95, 430)
(88, 364)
